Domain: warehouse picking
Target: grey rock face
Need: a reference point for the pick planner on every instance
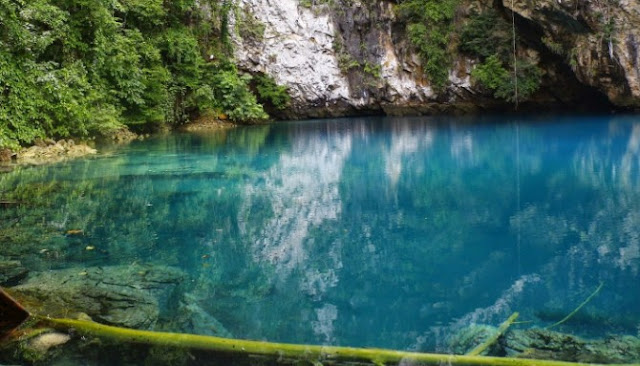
(338, 62)
(131, 296)
(356, 58)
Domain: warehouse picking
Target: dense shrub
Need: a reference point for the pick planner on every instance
(83, 67)
(271, 93)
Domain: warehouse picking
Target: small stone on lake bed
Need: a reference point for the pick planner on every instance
(43, 342)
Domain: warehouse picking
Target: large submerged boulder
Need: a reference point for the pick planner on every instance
(545, 344)
(549, 345)
(131, 296)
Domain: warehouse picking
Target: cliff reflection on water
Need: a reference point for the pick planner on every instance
(385, 232)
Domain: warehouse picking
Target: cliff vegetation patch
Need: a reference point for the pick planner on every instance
(489, 37)
(430, 27)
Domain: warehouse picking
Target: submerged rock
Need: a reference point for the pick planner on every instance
(470, 337)
(43, 342)
(550, 345)
(130, 296)
(545, 344)
(192, 318)
(11, 272)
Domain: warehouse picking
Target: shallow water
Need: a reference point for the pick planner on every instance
(377, 232)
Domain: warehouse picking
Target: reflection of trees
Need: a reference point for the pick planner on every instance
(578, 227)
(422, 239)
(605, 195)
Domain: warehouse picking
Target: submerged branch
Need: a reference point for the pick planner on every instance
(503, 328)
(585, 302)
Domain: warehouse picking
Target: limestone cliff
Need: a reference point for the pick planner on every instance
(351, 57)
(597, 38)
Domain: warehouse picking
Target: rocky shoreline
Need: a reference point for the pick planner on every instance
(46, 151)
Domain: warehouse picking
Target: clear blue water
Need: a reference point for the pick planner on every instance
(385, 232)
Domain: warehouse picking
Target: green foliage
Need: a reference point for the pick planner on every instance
(489, 37)
(429, 26)
(487, 34)
(271, 93)
(232, 96)
(374, 70)
(491, 73)
(86, 67)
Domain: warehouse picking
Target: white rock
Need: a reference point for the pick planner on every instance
(43, 342)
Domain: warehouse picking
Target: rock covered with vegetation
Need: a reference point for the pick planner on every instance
(53, 151)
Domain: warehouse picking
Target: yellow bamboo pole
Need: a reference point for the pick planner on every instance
(311, 353)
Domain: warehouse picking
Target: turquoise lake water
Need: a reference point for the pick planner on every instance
(377, 232)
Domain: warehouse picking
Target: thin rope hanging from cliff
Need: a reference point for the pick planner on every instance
(518, 201)
(515, 58)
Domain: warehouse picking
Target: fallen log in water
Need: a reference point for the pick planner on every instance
(283, 351)
(12, 314)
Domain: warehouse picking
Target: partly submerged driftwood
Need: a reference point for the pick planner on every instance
(283, 351)
(13, 314)
(503, 328)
